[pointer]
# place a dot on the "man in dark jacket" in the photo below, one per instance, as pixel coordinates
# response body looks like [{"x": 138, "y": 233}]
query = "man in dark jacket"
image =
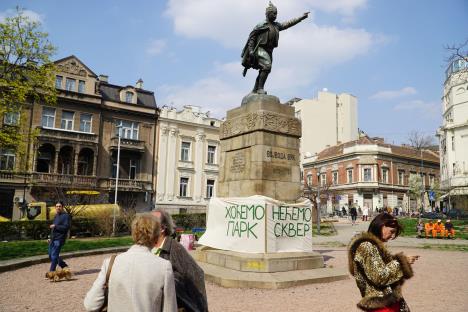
[
  {"x": 188, "y": 276},
  {"x": 58, "y": 233},
  {"x": 258, "y": 51}
]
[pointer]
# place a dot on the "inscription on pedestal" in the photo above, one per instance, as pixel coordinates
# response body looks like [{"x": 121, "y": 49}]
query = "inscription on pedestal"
[
  {"x": 280, "y": 155},
  {"x": 238, "y": 163}
]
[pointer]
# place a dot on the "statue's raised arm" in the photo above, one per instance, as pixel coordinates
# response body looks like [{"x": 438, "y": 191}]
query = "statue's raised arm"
[{"x": 258, "y": 51}]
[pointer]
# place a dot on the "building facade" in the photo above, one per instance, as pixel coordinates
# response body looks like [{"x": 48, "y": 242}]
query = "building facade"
[
  {"x": 369, "y": 172},
  {"x": 77, "y": 140},
  {"x": 188, "y": 159},
  {"x": 453, "y": 136},
  {"x": 327, "y": 120}
]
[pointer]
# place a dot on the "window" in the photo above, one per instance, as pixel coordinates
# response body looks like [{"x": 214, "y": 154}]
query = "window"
[
  {"x": 85, "y": 122},
  {"x": 67, "y": 120},
  {"x": 335, "y": 177},
  {"x": 209, "y": 188},
  {"x": 70, "y": 84},
  {"x": 114, "y": 168},
  {"x": 309, "y": 180},
  {"x": 183, "y": 186},
  {"x": 185, "y": 151},
  {"x": 431, "y": 180},
  {"x": 58, "y": 82},
  {"x": 350, "y": 175},
  {"x": 128, "y": 129},
  {"x": 384, "y": 175},
  {"x": 11, "y": 118},
  {"x": 454, "y": 168},
  {"x": 133, "y": 169},
  {"x": 7, "y": 159},
  {"x": 211, "y": 154},
  {"x": 48, "y": 117},
  {"x": 401, "y": 177},
  {"x": 423, "y": 179},
  {"x": 129, "y": 97},
  {"x": 81, "y": 86},
  {"x": 367, "y": 174},
  {"x": 323, "y": 179},
  {"x": 453, "y": 142}
]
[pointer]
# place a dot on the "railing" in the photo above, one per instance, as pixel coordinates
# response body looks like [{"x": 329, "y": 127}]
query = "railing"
[
  {"x": 63, "y": 179},
  {"x": 12, "y": 177},
  {"x": 128, "y": 143},
  {"x": 68, "y": 135},
  {"x": 128, "y": 184}
]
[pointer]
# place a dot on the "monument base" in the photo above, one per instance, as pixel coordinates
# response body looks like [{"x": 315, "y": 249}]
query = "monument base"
[{"x": 266, "y": 271}]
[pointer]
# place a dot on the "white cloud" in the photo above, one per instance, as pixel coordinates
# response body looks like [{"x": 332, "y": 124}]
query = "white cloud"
[
  {"x": 304, "y": 50},
  {"x": 155, "y": 46},
  {"x": 420, "y": 108},
  {"x": 393, "y": 94},
  {"x": 33, "y": 16}
]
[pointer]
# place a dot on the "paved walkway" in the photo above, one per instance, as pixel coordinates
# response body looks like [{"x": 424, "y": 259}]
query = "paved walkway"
[{"x": 346, "y": 231}]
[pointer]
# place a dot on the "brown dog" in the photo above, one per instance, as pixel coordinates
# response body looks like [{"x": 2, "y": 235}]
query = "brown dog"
[{"x": 55, "y": 276}]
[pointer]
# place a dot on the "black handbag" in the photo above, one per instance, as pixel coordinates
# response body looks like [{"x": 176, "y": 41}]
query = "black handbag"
[{"x": 106, "y": 285}]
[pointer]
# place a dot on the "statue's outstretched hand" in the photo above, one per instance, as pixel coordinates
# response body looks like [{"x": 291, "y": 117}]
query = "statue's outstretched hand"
[{"x": 306, "y": 15}]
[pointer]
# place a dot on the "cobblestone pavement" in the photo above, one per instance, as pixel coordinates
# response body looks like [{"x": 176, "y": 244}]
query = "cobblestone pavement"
[{"x": 439, "y": 285}]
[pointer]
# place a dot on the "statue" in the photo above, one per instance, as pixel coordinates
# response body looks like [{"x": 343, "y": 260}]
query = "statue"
[{"x": 258, "y": 51}]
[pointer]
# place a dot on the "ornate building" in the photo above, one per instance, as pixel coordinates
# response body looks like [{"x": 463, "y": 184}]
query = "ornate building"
[
  {"x": 453, "y": 136},
  {"x": 369, "y": 172},
  {"x": 188, "y": 159},
  {"x": 77, "y": 140}
]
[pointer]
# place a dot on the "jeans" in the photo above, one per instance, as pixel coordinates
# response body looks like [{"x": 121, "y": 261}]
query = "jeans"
[{"x": 54, "y": 255}]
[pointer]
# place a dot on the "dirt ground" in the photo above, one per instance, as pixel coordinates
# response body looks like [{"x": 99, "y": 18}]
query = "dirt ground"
[{"x": 439, "y": 284}]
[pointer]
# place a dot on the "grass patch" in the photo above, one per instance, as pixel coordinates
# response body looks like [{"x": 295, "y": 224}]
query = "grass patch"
[
  {"x": 447, "y": 247},
  {"x": 326, "y": 229},
  {"x": 22, "y": 249},
  {"x": 409, "y": 227}
]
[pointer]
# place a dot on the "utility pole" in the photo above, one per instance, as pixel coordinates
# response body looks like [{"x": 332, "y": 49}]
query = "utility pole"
[
  {"x": 119, "y": 127},
  {"x": 318, "y": 202}
]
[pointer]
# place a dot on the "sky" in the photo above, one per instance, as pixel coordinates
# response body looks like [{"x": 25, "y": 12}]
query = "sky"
[{"x": 391, "y": 55}]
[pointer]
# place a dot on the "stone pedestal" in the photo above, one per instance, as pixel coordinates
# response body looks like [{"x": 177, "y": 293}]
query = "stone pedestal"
[{"x": 260, "y": 150}]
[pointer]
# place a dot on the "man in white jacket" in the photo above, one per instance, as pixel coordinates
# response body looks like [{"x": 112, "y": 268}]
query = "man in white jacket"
[{"x": 139, "y": 281}]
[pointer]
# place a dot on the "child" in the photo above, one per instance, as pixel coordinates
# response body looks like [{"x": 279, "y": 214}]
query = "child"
[{"x": 420, "y": 228}]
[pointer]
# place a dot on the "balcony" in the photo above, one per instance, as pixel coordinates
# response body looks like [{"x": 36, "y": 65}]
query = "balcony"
[
  {"x": 47, "y": 179},
  {"x": 61, "y": 134},
  {"x": 129, "y": 185},
  {"x": 12, "y": 177},
  {"x": 128, "y": 144}
]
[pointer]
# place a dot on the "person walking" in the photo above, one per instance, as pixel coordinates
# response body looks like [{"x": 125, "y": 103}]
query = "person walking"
[
  {"x": 379, "y": 275},
  {"x": 58, "y": 235},
  {"x": 353, "y": 214},
  {"x": 188, "y": 276},
  {"x": 365, "y": 213},
  {"x": 139, "y": 281}
]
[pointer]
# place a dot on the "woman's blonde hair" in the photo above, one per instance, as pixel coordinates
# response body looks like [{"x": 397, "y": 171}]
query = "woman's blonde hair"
[{"x": 145, "y": 230}]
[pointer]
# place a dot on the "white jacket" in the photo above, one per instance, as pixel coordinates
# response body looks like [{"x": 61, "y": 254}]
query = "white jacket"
[{"x": 139, "y": 282}]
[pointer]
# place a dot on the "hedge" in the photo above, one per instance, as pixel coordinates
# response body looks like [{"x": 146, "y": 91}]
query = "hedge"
[{"x": 189, "y": 221}]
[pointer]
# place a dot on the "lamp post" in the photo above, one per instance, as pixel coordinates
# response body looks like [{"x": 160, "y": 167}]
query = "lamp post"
[
  {"x": 318, "y": 201},
  {"x": 119, "y": 127}
]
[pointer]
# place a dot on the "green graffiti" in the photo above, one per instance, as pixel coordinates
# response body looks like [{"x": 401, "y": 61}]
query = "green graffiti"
[
  {"x": 291, "y": 229},
  {"x": 241, "y": 229},
  {"x": 287, "y": 213},
  {"x": 244, "y": 212}
]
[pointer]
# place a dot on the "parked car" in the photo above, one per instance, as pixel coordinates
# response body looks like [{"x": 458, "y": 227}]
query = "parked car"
[
  {"x": 457, "y": 214},
  {"x": 432, "y": 215}
]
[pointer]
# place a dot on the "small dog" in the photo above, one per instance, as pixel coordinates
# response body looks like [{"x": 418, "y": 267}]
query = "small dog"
[{"x": 56, "y": 276}]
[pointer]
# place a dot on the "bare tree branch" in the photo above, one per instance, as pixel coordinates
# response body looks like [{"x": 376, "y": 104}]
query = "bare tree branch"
[{"x": 419, "y": 140}]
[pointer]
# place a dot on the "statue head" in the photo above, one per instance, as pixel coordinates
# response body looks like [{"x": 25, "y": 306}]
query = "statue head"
[{"x": 271, "y": 12}]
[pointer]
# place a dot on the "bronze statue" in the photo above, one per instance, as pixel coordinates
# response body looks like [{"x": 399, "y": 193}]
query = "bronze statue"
[{"x": 258, "y": 51}]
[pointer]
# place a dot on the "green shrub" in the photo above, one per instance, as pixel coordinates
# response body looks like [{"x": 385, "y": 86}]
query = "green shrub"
[{"x": 190, "y": 220}]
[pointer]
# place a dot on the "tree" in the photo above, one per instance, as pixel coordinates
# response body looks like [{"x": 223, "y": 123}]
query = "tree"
[
  {"x": 419, "y": 140},
  {"x": 27, "y": 74},
  {"x": 416, "y": 187},
  {"x": 457, "y": 51}
]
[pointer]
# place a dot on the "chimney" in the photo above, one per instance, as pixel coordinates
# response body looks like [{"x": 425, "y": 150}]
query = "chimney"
[
  {"x": 139, "y": 84},
  {"x": 103, "y": 78}
]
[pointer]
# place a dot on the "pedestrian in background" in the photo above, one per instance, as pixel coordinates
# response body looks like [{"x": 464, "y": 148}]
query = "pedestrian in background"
[
  {"x": 139, "y": 281},
  {"x": 353, "y": 214},
  {"x": 58, "y": 235},
  {"x": 365, "y": 213},
  {"x": 379, "y": 275}
]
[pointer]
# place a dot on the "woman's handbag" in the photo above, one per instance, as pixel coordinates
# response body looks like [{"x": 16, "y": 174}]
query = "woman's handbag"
[{"x": 106, "y": 285}]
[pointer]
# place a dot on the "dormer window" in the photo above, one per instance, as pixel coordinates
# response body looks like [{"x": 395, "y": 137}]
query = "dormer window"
[{"x": 129, "y": 97}]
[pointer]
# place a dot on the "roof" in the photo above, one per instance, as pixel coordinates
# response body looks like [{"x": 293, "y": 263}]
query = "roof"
[
  {"x": 74, "y": 57},
  {"x": 400, "y": 150},
  {"x": 112, "y": 93}
]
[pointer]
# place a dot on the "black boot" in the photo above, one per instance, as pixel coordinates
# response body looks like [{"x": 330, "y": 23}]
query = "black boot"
[{"x": 256, "y": 84}]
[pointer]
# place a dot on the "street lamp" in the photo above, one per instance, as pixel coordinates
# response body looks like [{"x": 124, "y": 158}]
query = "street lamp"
[
  {"x": 318, "y": 201},
  {"x": 119, "y": 127}
]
